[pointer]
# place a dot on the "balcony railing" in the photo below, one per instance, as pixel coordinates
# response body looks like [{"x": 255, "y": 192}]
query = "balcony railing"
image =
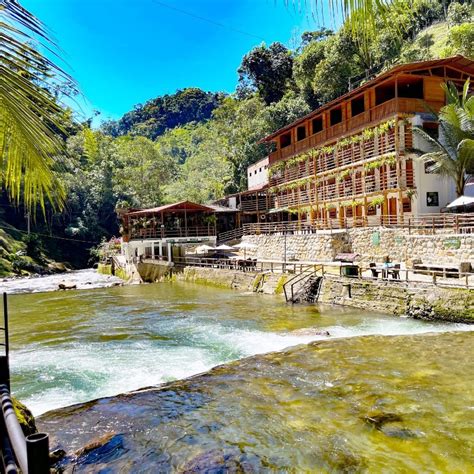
[
  {"x": 346, "y": 190},
  {"x": 344, "y": 156},
  {"x": 158, "y": 233},
  {"x": 423, "y": 224},
  {"x": 355, "y": 124}
]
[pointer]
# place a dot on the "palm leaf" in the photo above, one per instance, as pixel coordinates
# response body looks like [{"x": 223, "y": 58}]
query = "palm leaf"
[{"x": 30, "y": 123}]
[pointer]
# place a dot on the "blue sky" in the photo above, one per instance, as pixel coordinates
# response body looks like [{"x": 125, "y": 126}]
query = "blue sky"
[{"x": 124, "y": 52}]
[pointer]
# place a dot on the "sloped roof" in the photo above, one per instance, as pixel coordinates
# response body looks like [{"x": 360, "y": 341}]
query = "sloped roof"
[
  {"x": 181, "y": 206},
  {"x": 458, "y": 61}
]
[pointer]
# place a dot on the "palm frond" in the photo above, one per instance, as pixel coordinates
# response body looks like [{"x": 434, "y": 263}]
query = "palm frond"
[{"x": 30, "y": 118}]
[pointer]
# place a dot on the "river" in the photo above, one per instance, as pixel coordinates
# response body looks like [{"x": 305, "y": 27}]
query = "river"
[{"x": 311, "y": 407}]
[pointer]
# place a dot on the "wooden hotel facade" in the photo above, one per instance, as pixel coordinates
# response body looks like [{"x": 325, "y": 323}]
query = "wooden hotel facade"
[{"x": 353, "y": 159}]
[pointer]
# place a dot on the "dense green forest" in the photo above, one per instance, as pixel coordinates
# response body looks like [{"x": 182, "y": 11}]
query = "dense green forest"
[{"x": 197, "y": 145}]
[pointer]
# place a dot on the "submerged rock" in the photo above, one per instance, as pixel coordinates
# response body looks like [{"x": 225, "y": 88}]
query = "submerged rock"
[
  {"x": 377, "y": 420},
  {"x": 219, "y": 461},
  {"x": 101, "y": 450},
  {"x": 67, "y": 286}
]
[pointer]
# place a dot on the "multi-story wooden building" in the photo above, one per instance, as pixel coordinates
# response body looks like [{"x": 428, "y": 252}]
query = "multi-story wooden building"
[{"x": 354, "y": 160}]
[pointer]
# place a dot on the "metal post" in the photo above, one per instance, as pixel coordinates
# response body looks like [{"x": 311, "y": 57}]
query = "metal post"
[
  {"x": 37, "y": 450},
  {"x": 7, "y": 342}
]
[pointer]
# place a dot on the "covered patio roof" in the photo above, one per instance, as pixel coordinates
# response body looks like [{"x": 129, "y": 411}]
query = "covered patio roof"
[{"x": 182, "y": 206}]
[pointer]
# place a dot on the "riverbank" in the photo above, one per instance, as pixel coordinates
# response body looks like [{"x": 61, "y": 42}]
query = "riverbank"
[{"x": 79, "y": 279}]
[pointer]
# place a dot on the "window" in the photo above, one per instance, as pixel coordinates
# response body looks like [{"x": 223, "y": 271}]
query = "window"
[
  {"x": 384, "y": 93},
  {"x": 285, "y": 140},
  {"x": 301, "y": 133},
  {"x": 430, "y": 167},
  {"x": 431, "y": 128},
  {"x": 412, "y": 88},
  {"x": 432, "y": 199},
  {"x": 317, "y": 124},
  {"x": 336, "y": 116},
  {"x": 357, "y": 105}
]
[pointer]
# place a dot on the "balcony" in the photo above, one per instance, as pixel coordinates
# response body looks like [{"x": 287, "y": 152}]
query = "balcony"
[
  {"x": 342, "y": 157},
  {"x": 346, "y": 190},
  {"x": 354, "y": 125},
  {"x": 174, "y": 232}
]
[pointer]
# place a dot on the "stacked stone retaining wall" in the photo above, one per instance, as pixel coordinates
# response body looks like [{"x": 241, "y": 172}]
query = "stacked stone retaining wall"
[
  {"x": 306, "y": 247},
  {"x": 372, "y": 244},
  {"x": 419, "y": 300}
]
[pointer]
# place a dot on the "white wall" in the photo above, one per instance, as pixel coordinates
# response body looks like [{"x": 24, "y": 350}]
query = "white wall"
[
  {"x": 257, "y": 174},
  {"x": 429, "y": 182}
]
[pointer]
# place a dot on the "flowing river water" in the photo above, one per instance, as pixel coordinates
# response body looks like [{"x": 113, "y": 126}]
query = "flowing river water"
[{"x": 379, "y": 394}]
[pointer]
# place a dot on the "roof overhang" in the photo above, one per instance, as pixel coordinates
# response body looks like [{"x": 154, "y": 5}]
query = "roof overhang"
[
  {"x": 178, "y": 207},
  {"x": 458, "y": 61}
]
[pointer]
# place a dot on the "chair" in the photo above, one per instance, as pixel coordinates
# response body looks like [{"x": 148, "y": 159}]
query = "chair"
[
  {"x": 375, "y": 273},
  {"x": 396, "y": 272}
]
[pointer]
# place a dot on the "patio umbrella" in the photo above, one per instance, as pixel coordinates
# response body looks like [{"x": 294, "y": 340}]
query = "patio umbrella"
[
  {"x": 224, "y": 247},
  {"x": 461, "y": 201},
  {"x": 244, "y": 246}
]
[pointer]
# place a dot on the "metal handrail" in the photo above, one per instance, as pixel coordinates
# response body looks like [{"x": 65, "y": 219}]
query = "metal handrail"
[{"x": 31, "y": 453}]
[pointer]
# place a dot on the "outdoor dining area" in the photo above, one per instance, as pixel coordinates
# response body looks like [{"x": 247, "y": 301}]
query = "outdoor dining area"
[{"x": 223, "y": 256}]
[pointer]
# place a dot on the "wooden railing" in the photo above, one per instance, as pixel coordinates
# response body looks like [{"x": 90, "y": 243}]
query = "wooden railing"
[
  {"x": 356, "y": 124},
  {"x": 159, "y": 233},
  {"x": 229, "y": 235},
  {"x": 424, "y": 224},
  {"x": 347, "y": 189},
  {"x": 344, "y": 156}
]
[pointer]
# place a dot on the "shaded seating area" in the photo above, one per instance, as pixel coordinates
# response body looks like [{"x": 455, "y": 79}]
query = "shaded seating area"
[{"x": 180, "y": 219}]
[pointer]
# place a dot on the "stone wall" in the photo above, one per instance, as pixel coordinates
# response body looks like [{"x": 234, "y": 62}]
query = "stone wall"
[
  {"x": 372, "y": 244},
  {"x": 375, "y": 243},
  {"x": 419, "y": 300},
  {"x": 243, "y": 281},
  {"x": 323, "y": 246}
]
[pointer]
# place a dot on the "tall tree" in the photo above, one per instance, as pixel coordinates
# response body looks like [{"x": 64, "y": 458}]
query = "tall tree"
[{"x": 268, "y": 70}]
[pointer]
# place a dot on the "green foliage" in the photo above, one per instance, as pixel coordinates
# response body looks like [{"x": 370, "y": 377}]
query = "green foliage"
[
  {"x": 453, "y": 152},
  {"x": 459, "y": 13},
  {"x": 461, "y": 40},
  {"x": 166, "y": 112},
  {"x": 30, "y": 117},
  {"x": 267, "y": 70}
]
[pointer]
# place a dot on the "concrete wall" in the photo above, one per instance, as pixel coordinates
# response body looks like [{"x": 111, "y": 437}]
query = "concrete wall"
[
  {"x": 313, "y": 247},
  {"x": 153, "y": 270},
  {"x": 419, "y": 300}
]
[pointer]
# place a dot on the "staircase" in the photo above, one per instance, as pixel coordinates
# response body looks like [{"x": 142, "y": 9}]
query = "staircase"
[{"x": 304, "y": 287}]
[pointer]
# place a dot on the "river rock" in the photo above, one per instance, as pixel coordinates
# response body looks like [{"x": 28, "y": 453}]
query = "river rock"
[
  {"x": 379, "y": 419},
  {"x": 217, "y": 461},
  {"x": 67, "y": 286},
  {"x": 25, "y": 417},
  {"x": 101, "y": 450}
]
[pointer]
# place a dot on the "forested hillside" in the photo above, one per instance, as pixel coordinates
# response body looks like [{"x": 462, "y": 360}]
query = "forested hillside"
[{"x": 197, "y": 145}]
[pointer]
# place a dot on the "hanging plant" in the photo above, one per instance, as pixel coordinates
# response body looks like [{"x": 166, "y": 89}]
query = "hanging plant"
[
  {"x": 378, "y": 201},
  {"x": 412, "y": 192}
]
